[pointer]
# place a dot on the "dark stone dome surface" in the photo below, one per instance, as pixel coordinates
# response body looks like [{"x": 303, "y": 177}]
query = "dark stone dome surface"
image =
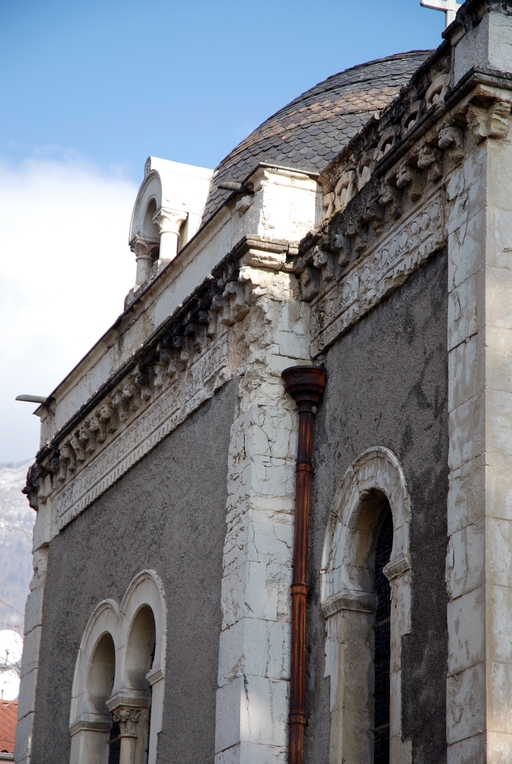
[{"x": 312, "y": 129}]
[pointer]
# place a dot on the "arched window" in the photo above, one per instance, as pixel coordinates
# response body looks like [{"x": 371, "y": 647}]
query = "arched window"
[
  {"x": 118, "y": 688},
  {"x": 366, "y": 601},
  {"x": 90, "y": 720}
]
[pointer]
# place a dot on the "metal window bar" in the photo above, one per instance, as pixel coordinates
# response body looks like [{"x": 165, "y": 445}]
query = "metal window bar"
[{"x": 382, "y": 650}]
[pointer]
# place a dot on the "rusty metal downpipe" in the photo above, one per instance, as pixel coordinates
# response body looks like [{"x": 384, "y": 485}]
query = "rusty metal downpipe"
[{"x": 305, "y": 384}]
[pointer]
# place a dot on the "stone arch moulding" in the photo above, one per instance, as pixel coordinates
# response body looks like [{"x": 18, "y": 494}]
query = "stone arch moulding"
[
  {"x": 149, "y": 196},
  {"x": 348, "y": 603},
  {"x": 89, "y": 724},
  {"x": 127, "y": 700}
]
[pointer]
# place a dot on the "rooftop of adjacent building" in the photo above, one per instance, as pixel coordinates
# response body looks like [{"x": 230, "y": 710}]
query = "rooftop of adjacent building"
[
  {"x": 8, "y": 717},
  {"x": 310, "y": 131}
]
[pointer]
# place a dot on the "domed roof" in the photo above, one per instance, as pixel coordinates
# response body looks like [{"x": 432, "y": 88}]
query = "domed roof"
[{"x": 309, "y": 132}]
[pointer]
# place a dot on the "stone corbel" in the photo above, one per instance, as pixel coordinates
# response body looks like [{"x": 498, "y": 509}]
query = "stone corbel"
[
  {"x": 357, "y": 232},
  {"x": 234, "y": 303},
  {"x": 342, "y": 247},
  {"x": 391, "y": 198},
  {"x": 489, "y": 123},
  {"x": 321, "y": 260},
  {"x": 347, "y": 599},
  {"x": 410, "y": 180},
  {"x": 397, "y": 567},
  {"x": 169, "y": 223},
  {"x": 429, "y": 158},
  {"x": 309, "y": 283},
  {"x": 375, "y": 215},
  {"x": 487, "y": 112},
  {"x": 451, "y": 138}
]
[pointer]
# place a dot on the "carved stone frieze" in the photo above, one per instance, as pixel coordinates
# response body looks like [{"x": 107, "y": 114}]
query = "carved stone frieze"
[
  {"x": 383, "y": 268},
  {"x": 172, "y": 377},
  {"x": 478, "y": 105}
]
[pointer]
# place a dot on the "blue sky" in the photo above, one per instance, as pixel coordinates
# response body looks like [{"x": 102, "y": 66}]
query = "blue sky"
[
  {"x": 89, "y": 89},
  {"x": 115, "y": 81}
]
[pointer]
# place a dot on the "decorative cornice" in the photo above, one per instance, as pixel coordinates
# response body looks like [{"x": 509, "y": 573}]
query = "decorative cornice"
[
  {"x": 343, "y": 301},
  {"x": 390, "y": 214},
  {"x": 176, "y": 370}
]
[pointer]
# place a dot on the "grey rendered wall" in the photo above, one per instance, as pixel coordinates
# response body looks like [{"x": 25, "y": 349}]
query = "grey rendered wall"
[
  {"x": 166, "y": 513},
  {"x": 387, "y": 385}
]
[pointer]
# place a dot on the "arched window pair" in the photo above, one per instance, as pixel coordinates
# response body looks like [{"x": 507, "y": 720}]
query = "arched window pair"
[
  {"x": 118, "y": 686},
  {"x": 366, "y": 598}
]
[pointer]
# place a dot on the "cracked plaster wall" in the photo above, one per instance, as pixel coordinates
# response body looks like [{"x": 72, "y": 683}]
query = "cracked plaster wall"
[
  {"x": 167, "y": 513},
  {"x": 387, "y": 386}
]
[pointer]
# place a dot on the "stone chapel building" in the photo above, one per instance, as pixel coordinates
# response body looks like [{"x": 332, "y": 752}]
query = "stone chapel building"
[{"x": 360, "y": 241}]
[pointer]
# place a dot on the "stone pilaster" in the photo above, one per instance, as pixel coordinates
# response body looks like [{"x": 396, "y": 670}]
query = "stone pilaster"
[
  {"x": 478, "y": 570},
  {"x": 33, "y": 627},
  {"x": 252, "y": 699}
]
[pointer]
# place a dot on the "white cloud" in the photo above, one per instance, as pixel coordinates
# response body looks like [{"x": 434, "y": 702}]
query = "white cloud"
[{"x": 65, "y": 269}]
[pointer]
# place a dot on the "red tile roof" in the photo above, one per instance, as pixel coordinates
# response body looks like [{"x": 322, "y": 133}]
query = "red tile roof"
[{"x": 8, "y": 716}]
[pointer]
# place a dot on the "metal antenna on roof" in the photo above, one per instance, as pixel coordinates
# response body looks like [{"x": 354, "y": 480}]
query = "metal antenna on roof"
[{"x": 450, "y": 7}]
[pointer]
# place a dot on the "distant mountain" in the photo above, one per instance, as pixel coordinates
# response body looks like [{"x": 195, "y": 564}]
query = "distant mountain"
[{"x": 16, "y": 524}]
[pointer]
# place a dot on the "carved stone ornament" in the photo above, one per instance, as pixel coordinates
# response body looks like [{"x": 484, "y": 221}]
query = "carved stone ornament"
[
  {"x": 385, "y": 266},
  {"x": 128, "y": 719},
  {"x": 169, "y": 221},
  {"x": 188, "y": 363}
]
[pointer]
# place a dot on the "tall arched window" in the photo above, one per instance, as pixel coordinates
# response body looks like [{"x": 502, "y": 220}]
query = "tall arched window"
[{"x": 366, "y": 601}]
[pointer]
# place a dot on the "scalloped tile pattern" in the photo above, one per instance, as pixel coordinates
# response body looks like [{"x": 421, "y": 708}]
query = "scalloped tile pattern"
[{"x": 312, "y": 129}]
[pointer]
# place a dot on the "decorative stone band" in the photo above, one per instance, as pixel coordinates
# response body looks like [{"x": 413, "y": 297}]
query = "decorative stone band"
[
  {"x": 393, "y": 194},
  {"x": 186, "y": 352},
  {"x": 171, "y": 376},
  {"x": 154, "y": 422},
  {"x": 379, "y": 273},
  {"x": 427, "y": 100}
]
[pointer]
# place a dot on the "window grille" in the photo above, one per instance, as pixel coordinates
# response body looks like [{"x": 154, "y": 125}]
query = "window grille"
[{"x": 381, "y": 695}]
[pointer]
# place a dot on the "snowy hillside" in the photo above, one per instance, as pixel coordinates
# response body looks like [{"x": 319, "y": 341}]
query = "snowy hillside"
[{"x": 16, "y": 523}]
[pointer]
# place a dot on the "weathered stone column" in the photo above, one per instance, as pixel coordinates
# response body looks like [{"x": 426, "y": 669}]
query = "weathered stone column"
[
  {"x": 128, "y": 719},
  {"x": 143, "y": 258},
  {"x": 169, "y": 222}
]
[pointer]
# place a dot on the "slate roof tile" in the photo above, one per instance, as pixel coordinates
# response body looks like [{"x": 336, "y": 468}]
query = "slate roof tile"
[{"x": 309, "y": 131}]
